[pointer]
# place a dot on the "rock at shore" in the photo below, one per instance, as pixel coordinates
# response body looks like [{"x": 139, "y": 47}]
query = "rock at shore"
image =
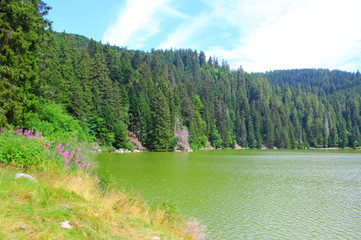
[
  {"x": 182, "y": 134},
  {"x": 19, "y": 175}
]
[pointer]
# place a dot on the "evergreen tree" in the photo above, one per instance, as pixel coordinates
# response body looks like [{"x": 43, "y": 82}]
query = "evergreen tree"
[
  {"x": 269, "y": 131},
  {"x": 241, "y": 132},
  {"x": 22, "y": 29},
  {"x": 63, "y": 85},
  {"x": 161, "y": 135},
  {"x": 202, "y": 59},
  {"x": 82, "y": 103},
  {"x": 216, "y": 138},
  {"x": 342, "y": 132}
]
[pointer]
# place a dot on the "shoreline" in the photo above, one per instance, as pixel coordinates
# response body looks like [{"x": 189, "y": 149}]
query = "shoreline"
[{"x": 240, "y": 148}]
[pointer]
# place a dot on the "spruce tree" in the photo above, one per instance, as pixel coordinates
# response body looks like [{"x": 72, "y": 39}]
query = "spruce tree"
[
  {"x": 22, "y": 29},
  {"x": 215, "y": 138},
  {"x": 82, "y": 103},
  {"x": 161, "y": 135}
]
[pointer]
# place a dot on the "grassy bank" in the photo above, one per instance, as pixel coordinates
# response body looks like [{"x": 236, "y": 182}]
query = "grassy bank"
[
  {"x": 36, "y": 210},
  {"x": 68, "y": 201}
]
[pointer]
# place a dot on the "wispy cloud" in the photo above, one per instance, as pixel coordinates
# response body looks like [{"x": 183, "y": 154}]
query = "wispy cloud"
[
  {"x": 174, "y": 13},
  {"x": 294, "y": 34},
  {"x": 136, "y": 23},
  {"x": 260, "y": 35},
  {"x": 181, "y": 37}
]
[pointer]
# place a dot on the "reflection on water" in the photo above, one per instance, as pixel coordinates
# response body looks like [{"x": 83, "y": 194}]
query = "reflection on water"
[{"x": 253, "y": 193}]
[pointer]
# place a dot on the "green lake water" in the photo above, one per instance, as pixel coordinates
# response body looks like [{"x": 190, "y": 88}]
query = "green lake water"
[{"x": 252, "y": 194}]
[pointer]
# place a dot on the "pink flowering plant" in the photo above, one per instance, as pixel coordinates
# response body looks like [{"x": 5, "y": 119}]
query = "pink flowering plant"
[
  {"x": 22, "y": 148},
  {"x": 27, "y": 148}
]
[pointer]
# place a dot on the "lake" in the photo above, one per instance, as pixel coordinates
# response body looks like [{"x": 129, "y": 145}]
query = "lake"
[{"x": 256, "y": 194}]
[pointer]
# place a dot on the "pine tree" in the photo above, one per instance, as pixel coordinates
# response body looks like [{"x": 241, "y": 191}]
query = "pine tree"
[
  {"x": 333, "y": 138},
  {"x": 216, "y": 138},
  {"x": 202, "y": 59},
  {"x": 82, "y": 103},
  {"x": 257, "y": 125},
  {"x": 161, "y": 136},
  {"x": 99, "y": 82},
  {"x": 63, "y": 85},
  {"x": 342, "y": 132},
  {"x": 241, "y": 132},
  {"x": 144, "y": 119},
  {"x": 92, "y": 48},
  {"x": 22, "y": 29},
  {"x": 48, "y": 67},
  {"x": 269, "y": 131}
]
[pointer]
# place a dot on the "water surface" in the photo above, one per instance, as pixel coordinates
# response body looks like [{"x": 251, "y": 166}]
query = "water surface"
[{"x": 255, "y": 194}]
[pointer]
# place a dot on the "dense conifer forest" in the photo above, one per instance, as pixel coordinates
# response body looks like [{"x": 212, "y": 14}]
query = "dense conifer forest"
[{"x": 68, "y": 84}]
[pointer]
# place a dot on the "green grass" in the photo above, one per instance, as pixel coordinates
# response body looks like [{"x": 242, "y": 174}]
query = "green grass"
[{"x": 35, "y": 210}]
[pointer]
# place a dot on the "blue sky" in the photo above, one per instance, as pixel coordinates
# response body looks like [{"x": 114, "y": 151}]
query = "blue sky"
[{"x": 259, "y": 35}]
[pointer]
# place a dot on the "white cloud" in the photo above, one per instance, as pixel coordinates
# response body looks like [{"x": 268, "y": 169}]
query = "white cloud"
[
  {"x": 135, "y": 24},
  {"x": 174, "y": 13},
  {"x": 179, "y": 38},
  {"x": 271, "y": 34},
  {"x": 283, "y": 34}
]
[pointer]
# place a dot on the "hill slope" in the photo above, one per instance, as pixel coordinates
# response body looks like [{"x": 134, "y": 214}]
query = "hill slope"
[{"x": 111, "y": 90}]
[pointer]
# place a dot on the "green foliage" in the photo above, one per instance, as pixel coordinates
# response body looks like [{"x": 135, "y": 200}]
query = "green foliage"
[
  {"x": 99, "y": 130},
  {"x": 161, "y": 135},
  {"x": 247, "y": 109},
  {"x": 216, "y": 138},
  {"x": 22, "y": 29},
  {"x": 198, "y": 104},
  {"x": 197, "y": 131},
  {"x": 23, "y": 151},
  {"x": 356, "y": 144},
  {"x": 121, "y": 138},
  {"x": 55, "y": 123}
]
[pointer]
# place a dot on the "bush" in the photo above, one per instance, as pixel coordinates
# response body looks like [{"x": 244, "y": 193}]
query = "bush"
[
  {"x": 23, "y": 149},
  {"x": 29, "y": 149},
  {"x": 55, "y": 123}
]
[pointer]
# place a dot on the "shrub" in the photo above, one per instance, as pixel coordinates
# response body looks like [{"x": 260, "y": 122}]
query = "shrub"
[
  {"x": 55, "y": 123},
  {"x": 23, "y": 149},
  {"x": 30, "y": 150}
]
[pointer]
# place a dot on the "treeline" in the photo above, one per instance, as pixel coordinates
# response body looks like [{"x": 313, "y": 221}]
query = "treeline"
[{"x": 111, "y": 90}]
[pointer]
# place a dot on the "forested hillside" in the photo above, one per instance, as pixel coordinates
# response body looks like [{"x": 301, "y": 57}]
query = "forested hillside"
[{"x": 111, "y": 90}]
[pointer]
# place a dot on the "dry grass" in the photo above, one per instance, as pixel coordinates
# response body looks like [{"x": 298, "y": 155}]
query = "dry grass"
[{"x": 195, "y": 230}]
